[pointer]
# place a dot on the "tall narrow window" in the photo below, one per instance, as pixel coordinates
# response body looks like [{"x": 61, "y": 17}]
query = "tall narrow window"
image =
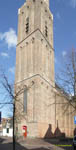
[
  {"x": 25, "y": 101},
  {"x": 46, "y": 29},
  {"x": 7, "y": 130},
  {"x": 27, "y": 25}
]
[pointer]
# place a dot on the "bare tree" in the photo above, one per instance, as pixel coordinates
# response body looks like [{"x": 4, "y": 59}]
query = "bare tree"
[
  {"x": 10, "y": 95},
  {"x": 66, "y": 78}
]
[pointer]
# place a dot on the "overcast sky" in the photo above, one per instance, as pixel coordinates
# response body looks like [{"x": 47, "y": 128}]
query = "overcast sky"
[{"x": 64, "y": 12}]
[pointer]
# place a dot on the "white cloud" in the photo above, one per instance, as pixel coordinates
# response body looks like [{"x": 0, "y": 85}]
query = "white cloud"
[
  {"x": 12, "y": 70},
  {"x": 58, "y": 15},
  {"x": 64, "y": 53},
  {"x": 5, "y": 54},
  {"x": 73, "y": 3},
  {"x": 9, "y": 37}
]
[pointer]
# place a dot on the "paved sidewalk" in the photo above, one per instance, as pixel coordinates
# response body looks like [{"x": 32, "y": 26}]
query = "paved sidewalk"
[
  {"x": 31, "y": 144},
  {"x": 38, "y": 144}
]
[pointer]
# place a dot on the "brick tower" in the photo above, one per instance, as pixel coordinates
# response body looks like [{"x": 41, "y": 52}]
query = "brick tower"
[{"x": 35, "y": 69}]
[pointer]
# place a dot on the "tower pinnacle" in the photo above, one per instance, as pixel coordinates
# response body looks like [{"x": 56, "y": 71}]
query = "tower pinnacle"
[{"x": 47, "y": 1}]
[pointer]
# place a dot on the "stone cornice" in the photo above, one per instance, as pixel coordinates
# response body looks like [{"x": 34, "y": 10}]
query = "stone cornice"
[{"x": 32, "y": 34}]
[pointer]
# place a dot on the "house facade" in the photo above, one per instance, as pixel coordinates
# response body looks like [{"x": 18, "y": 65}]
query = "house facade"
[{"x": 6, "y": 127}]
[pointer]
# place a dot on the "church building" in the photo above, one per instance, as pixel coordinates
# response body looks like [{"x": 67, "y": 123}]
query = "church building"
[{"x": 41, "y": 106}]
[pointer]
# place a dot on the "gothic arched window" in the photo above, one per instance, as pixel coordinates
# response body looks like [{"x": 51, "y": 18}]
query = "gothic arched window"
[{"x": 25, "y": 101}]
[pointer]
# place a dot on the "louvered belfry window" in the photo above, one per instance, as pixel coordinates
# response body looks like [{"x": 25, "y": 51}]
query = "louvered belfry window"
[
  {"x": 27, "y": 24},
  {"x": 46, "y": 29}
]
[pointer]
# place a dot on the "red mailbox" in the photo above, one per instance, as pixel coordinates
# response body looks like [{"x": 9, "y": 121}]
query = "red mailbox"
[{"x": 25, "y": 131}]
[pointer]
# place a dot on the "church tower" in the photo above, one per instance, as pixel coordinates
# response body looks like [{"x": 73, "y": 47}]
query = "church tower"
[{"x": 35, "y": 68}]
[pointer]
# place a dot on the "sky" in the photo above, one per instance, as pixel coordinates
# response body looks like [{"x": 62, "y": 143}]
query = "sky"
[{"x": 64, "y": 13}]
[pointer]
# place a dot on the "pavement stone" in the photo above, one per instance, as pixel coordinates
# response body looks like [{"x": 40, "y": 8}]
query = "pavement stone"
[
  {"x": 30, "y": 144},
  {"x": 37, "y": 144}
]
